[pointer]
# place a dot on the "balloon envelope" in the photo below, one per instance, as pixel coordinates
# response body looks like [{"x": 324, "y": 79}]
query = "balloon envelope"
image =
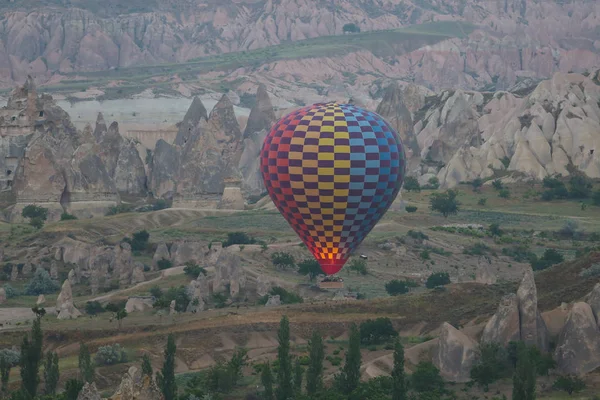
[{"x": 332, "y": 170}]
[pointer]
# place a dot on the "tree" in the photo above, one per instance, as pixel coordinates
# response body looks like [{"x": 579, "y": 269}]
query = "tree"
[
  {"x": 411, "y": 184},
  {"x": 93, "y": 308},
  {"x": 31, "y": 357},
  {"x": 147, "y": 366},
  {"x": 284, "y": 373},
  {"x": 497, "y": 184},
  {"x": 283, "y": 260},
  {"x": 376, "y": 331},
  {"x": 581, "y": 186},
  {"x": 298, "y": 372},
  {"x": 359, "y": 266},
  {"x": 41, "y": 283},
  {"x": 504, "y": 193},
  {"x": 51, "y": 373},
  {"x": 350, "y": 375},
  {"x": 548, "y": 259},
  {"x": 398, "y": 379},
  {"x": 437, "y": 279},
  {"x": 72, "y": 389},
  {"x": 477, "y": 183},
  {"x": 266, "y": 378},
  {"x": 310, "y": 267},
  {"x": 37, "y": 215},
  {"x": 492, "y": 362},
  {"x": 524, "y": 375},
  {"x": 120, "y": 316},
  {"x": 351, "y": 28},
  {"x": 596, "y": 198},
  {"x": 433, "y": 183},
  {"x": 139, "y": 240},
  {"x": 314, "y": 374},
  {"x": 445, "y": 203},
  {"x": 426, "y": 378},
  {"x": 495, "y": 230},
  {"x": 8, "y": 359},
  {"x": 86, "y": 367},
  {"x": 166, "y": 378},
  {"x": 569, "y": 384},
  {"x": 396, "y": 287}
]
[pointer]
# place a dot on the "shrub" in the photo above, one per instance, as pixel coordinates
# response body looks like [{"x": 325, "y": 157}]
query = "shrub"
[
  {"x": 570, "y": 229},
  {"x": 37, "y": 215},
  {"x": 334, "y": 360},
  {"x": 41, "y": 283},
  {"x": 283, "y": 260},
  {"x": 426, "y": 378},
  {"x": 396, "y": 287},
  {"x": 550, "y": 258},
  {"x": 495, "y": 230},
  {"x": 491, "y": 364},
  {"x": 12, "y": 357},
  {"x": 156, "y": 292},
  {"x": 116, "y": 306},
  {"x": 193, "y": 270},
  {"x": 285, "y": 296},
  {"x": 110, "y": 355},
  {"x": 411, "y": 209},
  {"x": 310, "y": 267},
  {"x": 67, "y": 217},
  {"x": 504, "y": 193},
  {"x": 163, "y": 263},
  {"x": 238, "y": 238},
  {"x": 377, "y": 331},
  {"x": 478, "y": 249},
  {"x": 411, "y": 184},
  {"x": 120, "y": 209},
  {"x": 10, "y": 291},
  {"x": 580, "y": 186},
  {"x": 437, "y": 279},
  {"x": 351, "y": 28},
  {"x": 433, "y": 183},
  {"x": 590, "y": 272},
  {"x": 359, "y": 266},
  {"x": 482, "y": 201},
  {"x": 518, "y": 253},
  {"x": 93, "y": 308},
  {"x": 139, "y": 241},
  {"x": 596, "y": 198},
  {"x": 445, "y": 203},
  {"x": 569, "y": 384},
  {"x": 497, "y": 184},
  {"x": 425, "y": 255},
  {"x": 477, "y": 183},
  {"x": 418, "y": 235}
]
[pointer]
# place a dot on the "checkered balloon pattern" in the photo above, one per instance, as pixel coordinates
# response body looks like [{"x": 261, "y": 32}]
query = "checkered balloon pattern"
[{"x": 332, "y": 170}]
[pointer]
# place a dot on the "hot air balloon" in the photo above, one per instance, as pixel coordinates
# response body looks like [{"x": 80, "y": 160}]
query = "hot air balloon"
[{"x": 332, "y": 170}]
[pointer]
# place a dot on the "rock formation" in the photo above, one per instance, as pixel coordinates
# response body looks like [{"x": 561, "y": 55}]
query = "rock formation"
[
  {"x": 2, "y": 295},
  {"x": 484, "y": 273},
  {"x": 139, "y": 303},
  {"x": 89, "y": 392},
  {"x": 134, "y": 386},
  {"x": 273, "y": 301},
  {"x": 578, "y": 348},
  {"x": 14, "y": 273},
  {"x": 186, "y": 251},
  {"x": 263, "y": 285},
  {"x": 593, "y": 299},
  {"x": 518, "y": 318},
  {"x": 229, "y": 272},
  {"x": 261, "y": 119},
  {"x": 198, "y": 291},
  {"x": 72, "y": 277},
  {"x": 64, "y": 303},
  {"x": 455, "y": 354},
  {"x": 162, "y": 252},
  {"x": 40, "y": 300},
  {"x": 172, "y": 310}
]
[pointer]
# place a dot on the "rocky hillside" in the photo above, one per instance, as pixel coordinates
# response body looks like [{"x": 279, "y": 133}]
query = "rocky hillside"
[{"x": 510, "y": 39}]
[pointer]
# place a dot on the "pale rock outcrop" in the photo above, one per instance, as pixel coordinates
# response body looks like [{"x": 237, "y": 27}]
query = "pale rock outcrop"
[
  {"x": 578, "y": 348},
  {"x": 2, "y": 295},
  {"x": 593, "y": 299},
  {"x": 273, "y": 301},
  {"x": 485, "y": 273},
  {"x": 216, "y": 248},
  {"x": 455, "y": 354},
  {"x": 162, "y": 252},
  {"x": 518, "y": 318},
  {"x": 137, "y": 275},
  {"x": 172, "y": 310},
  {"x": 139, "y": 303},
  {"x": 40, "y": 300},
  {"x": 14, "y": 273},
  {"x": 184, "y": 251},
  {"x": 263, "y": 285},
  {"x": 64, "y": 303},
  {"x": 89, "y": 392},
  {"x": 72, "y": 277},
  {"x": 198, "y": 291},
  {"x": 228, "y": 271}
]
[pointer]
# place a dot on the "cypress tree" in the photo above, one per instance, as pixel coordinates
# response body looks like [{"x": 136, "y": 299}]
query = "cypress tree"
[
  {"x": 285, "y": 389},
  {"x": 524, "y": 376},
  {"x": 350, "y": 376},
  {"x": 51, "y": 373},
  {"x": 31, "y": 357},
  {"x": 86, "y": 366},
  {"x": 5, "y": 368},
  {"x": 298, "y": 371},
  {"x": 266, "y": 378},
  {"x": 147, "y": 366},
  {"x": 398, "y": 378},
  {"x": 314, "y": 374},
  {"x": 166, "y": 378}
]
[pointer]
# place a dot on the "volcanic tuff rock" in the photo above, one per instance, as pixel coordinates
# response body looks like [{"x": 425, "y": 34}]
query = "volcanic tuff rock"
[
  {"x": 593, "y": 299},
  {"x": 261, "y": 119},
  {"x": 184, "y": 251},
  {"x": 89, "y": 392},
  {"x": 138, "y": 303},
  {"x": 2, "y": 295},
  {"x": 514, "y": 38},
  {"x": 135, "y": 386},
  {"x": 228, "y": 271},
  {"x": 518, "y": 318},
  {"x": 64, "y": 303},
  {"x": 455, "y": 354},
  {"x": 162, "y": 252},
  {"x": 578, "y": 348}
]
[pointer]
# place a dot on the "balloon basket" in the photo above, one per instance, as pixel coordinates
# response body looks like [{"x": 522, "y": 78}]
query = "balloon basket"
[{"x": 335, "y": 283}]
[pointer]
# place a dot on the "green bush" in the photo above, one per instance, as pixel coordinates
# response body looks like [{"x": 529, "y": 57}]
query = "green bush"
[
  {"x": 283, "y": 260},
  {"x": 437, "y": 279},
  {"x": 67, "y": 217},
  {"x": 482, "y": 201},
  {"x": 497, "y": 184},
  {"x": 12, "y": 357},
  {"x": 491, "y": 365},
  {"x": 411, "y": 184},
  {"x": 550, "y": 258},
  {"x": 238, "y": 238},
  {"x": 426, "y": 378},
  {"x": 478, "y": 249},
  {"x": 334, "y": 360},
  {"x": 163, "y": 263},
  {"x": 110, "y": 355},
  {"x": 10, "y": 291},
  {"x": 445, "y": 203},
  {"x": 120, "y": 209},
  {"x": 410, "y": 209},
  {"x": 569, "y": 384},
  {"x": 285, "y": 296},
  {"x": 396, "y": 287},
  {"x": 139, "y": 240},
  {"x": 417, "y": 235},
  {"x": 310, "y": 267},
  {"x": 93, "y": 308},
  {"x": 377, "y": 331},
  {"x": 41, "y": 283},
  {"x": 425, "y": 255},
  {"x": 37, "y": 215},
  {"x": 359, "y": 266},
  {"x": 193, "y": 270},
  {"x": 504, "y": 193}
]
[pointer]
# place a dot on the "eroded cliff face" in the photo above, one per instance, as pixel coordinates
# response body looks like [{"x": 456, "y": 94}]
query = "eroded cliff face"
[{"x": 513, "y": 38}]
